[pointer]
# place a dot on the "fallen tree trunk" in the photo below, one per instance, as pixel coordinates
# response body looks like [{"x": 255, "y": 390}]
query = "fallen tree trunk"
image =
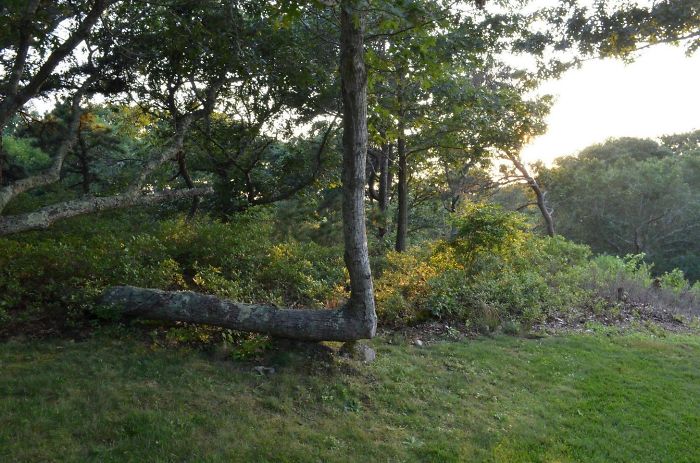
[{"x": 188, "y": 306}]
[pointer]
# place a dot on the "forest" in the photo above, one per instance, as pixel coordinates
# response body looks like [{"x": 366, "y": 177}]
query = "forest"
[{"x": 237, "y": 230}]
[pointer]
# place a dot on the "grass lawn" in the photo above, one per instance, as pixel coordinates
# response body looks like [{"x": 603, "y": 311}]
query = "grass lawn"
[{"x": 633, "y": 398}]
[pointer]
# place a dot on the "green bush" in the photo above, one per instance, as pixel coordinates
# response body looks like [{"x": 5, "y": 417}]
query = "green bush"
[
  {"x": 492, "y": 271},
  {"x": 494, "y": 263},
  {"x": 491, "y": 262},
  {"x": 674, "y": 281},
  {"x": 60, "y": 275}
]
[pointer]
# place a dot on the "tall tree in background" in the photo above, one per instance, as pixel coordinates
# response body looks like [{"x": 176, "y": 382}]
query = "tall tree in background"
[{"x": 433, "y": 68}]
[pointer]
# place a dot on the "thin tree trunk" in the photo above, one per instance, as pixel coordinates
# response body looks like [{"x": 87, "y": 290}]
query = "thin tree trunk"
[
  {"x": 402, "y": 218},
  {"x": 402, "y": 213},
  {"x": 83, "y": 159},
  {"x": 541, "y": 204},
  {"x": 357, "y": 319},
  {"x": 185, "y": 174},
  {"x": 3, "y": 160},
  {"x": 384, "y": 187},
  {"x": 539, "y": 194}
]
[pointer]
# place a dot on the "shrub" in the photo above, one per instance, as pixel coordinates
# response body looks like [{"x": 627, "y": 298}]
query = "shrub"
[
  {"x": 674, "y": 281},
  {"x": 471, "y": 273},
  {"x": 516, "y": 274},
  {"x": 403, "y": 289},
  {"x": 492, "y": 271},
  {"x": 60, "y": 275}
]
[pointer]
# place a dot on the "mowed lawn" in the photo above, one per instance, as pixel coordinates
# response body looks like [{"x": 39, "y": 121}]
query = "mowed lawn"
[{"x": 596, "y": 398}]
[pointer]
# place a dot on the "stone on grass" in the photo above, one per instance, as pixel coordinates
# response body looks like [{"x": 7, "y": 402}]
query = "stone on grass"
[
  {"x": 358, "y": 351},
  {"x": 262, "y": 370}
]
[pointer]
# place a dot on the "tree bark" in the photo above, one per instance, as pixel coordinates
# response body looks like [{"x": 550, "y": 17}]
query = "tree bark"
[
  {"x": 402, "y": 215},
  {"x": 185, "y": 174},
  {"x": 357, "y": 319},
  {"x": 187, "y": 306},
  {"x": 384, "y": 187},
  {"x": 84, "y": 162},
  {"x": 353, "y": 76}
]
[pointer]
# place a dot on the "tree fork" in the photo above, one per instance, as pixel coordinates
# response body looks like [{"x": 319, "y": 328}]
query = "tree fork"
[
  {"x": 539, "y": 194},
  {"x": 357, "y": 319}
]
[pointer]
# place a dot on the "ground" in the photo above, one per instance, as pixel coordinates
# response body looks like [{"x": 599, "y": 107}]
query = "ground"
[{"x": 594, "y": 397}]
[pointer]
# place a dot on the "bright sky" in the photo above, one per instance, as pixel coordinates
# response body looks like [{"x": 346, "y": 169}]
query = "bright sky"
[{"x": 656, "y": 95}]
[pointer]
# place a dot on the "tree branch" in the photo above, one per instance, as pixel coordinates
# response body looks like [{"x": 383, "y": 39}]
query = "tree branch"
[
  {"x": 45, "y": 217},
  {"x": 53, "y": 173}
]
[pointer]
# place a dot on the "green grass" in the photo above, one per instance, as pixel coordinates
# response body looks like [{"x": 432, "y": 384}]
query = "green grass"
[{"x": 598, "y": 398}]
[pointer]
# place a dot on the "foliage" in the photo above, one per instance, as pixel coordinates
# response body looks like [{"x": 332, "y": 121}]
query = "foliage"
[
  {"x": 491, "y": 269},
  {"x": 484, "y": 229},
  {"x": 62, "y": 275},
  {"x": 608, "y": 275},
  {"x": 494, "y": 271},
  {"x": 631, "y": 196},
  {"x": 24, "y": 154}
]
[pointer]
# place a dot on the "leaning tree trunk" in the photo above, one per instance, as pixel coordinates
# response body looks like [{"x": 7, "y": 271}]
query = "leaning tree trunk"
[
  {"x": 539, "y": 195},
  {"x": 43, "y": 218},
  {"x": 357, "y": 319}
]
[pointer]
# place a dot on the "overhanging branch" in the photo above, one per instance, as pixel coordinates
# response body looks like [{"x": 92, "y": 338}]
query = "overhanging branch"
[{"x": 45, "y": 217}]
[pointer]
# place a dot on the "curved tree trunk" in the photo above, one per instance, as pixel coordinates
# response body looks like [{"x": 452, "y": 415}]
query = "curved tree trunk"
[
  {"x": 539, "y": 194},
  {"x": 357, "y": 319}
]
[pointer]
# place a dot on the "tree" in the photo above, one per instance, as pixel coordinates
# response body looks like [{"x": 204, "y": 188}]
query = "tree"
[
  {"x": 88, "y": 72},
  {"x": 194, "y": 67},
  {"x": 619, "y": 29},
  {"x": 357, "y": 319},
  {"x": 522, "y": 173}
]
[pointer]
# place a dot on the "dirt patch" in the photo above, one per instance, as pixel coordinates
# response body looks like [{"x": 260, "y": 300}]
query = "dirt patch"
[{"x": 628, "y": 315}]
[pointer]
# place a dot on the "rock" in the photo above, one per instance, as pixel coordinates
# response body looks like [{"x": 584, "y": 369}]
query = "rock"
[
  {"x": 262, "y": 370},
  {"x": 358, "y": 351},
  {"x": 418, "y": 343}
]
